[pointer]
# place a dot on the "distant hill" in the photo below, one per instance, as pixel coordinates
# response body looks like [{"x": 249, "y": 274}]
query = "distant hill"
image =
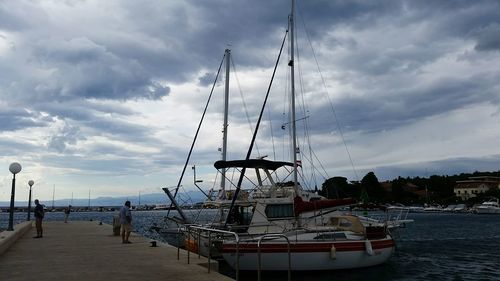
[{"x": 146, "y": 199}]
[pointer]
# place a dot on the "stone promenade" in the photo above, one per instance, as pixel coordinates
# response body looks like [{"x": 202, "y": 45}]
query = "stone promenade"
[{"x": 88, "y": 251}]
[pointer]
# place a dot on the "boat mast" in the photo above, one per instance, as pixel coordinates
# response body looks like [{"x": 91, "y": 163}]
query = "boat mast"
[
  {"x": 295, "y": 149},
  {"x": 222, "y": 194},
  {"x": 53, "y": 195},
  {"x": 172, "y": 197}
]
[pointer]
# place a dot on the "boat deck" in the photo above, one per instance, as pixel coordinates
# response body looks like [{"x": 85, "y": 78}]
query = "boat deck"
[{"x": 89, "y": 251}]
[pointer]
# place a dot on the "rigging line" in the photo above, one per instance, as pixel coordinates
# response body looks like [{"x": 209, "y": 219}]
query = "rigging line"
[
  {"x": 311, "y": 160},
  {"x": 243, "y": 100},
  {"x": 212, "y": 189},
  {"x": 272, "y": 133},
  {"x": 307, "y": 135},
  {"x": 242, "y": 175},
  {"x": 304, "y": 111},
  {"x": 321, "y": 165},
  {"x": 231, "y": 182},
  {"x": 330, "y": 100},
  {"x": 196, "y": 135}
]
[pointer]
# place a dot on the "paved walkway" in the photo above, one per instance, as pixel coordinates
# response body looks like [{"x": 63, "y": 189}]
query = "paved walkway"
[{"x": 88, "y": 251}]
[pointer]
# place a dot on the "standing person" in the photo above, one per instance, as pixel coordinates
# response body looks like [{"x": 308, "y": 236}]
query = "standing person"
[
  {"x": 39, "y": 217},
  {"x": 66, "y": 213},
  {"x": 126, "y": 222}
]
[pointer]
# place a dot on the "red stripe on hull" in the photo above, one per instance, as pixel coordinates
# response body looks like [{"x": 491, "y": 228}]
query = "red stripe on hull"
[{"x": 307, "y": 247}]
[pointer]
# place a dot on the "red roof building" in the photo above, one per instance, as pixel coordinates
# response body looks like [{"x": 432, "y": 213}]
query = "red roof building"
[{"x": 475, "y": 185}]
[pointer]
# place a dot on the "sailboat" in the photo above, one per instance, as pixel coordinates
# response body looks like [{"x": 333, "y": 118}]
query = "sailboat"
[
  {"x": 293, "y": 229},
  {"x": 275, "y": 224}
]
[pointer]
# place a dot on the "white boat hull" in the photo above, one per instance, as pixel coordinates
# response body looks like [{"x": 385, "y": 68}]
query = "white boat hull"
[
  {"x": 311, "y": 256},
  {"x": 488, "y": 210},
  {"x": 489, "y": 207}
]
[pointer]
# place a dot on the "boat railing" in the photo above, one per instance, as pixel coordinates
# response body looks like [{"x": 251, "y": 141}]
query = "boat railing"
[
  {"x": 272, "y": 236},
  {"x": 402, "y": 215},
  {"x": 395, "y": 217},
  {"x": 200, "y": 229}
]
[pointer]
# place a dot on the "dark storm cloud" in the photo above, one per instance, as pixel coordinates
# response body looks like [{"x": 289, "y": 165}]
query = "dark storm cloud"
[
  {"x": 488, "y": 39},
  {"x": 12, "y": 119},
  {"x": 378, "y": 112},
  {"x": 67, "y": 135},
  {"x": 122, "y": 130},
  {"x": 88, "y": 117},
  {"x": 323, "y": 15},
  {"x": 84, "y": 110},
  {"x": 14, "y": 17},
  {"x": 77, "y": 66},
  {"x": 390, "y": 87},
  {"x": 111, "y": 159},
  {"x": 84, "y": 69},
  {"x": 16, "y": 147},
  {"x": 206, "y": 80},
  {"x": 173, "y": 41},
  {"x": 89, "y": 166}
]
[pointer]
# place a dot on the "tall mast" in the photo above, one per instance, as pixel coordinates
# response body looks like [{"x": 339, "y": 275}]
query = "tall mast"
[
  {"x": 53, "y": 195},
  {"x": 224, "y": 128},
  {"x": 292, "y": 81}
]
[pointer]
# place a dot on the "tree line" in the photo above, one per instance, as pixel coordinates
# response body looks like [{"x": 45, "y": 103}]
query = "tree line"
[{"x": 410, "y": 190}]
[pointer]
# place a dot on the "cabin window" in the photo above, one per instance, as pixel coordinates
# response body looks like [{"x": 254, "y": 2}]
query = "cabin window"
[
  {"x": 345, "y": 223},
  {"x": 279, "y": 211},
  {"x": 331, "y": 236}
]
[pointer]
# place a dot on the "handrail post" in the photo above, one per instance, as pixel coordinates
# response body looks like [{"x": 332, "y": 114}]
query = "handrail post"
[
  {"x": 266, "y": 236},
  {"x": 289, "y": 262},
  {"x": 199, "y": 243},
  {"x": 237, "y": 257},
  {"x": 210, "y": 230},
  {"x": 188, "y": 242},
  {"x": 258, "y": 259},
  {"x": 209, "y": 248},
  {"x": 179, "y": 235}
]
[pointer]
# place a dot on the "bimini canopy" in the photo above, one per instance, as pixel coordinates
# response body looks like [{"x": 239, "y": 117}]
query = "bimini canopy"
[{"x": 252, "y": 164}]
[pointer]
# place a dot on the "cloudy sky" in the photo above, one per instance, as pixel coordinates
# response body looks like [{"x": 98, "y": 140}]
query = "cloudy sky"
[{"x": 105, "y": 96}]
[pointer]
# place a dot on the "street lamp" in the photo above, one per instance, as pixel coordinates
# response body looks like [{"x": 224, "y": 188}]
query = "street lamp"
[
  {"x": 30, "y": 183},
  {"x": 14, "y": 168}
]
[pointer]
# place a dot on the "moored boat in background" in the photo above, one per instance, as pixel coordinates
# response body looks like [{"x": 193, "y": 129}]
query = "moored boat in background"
[{"x": 488, "y": 207}]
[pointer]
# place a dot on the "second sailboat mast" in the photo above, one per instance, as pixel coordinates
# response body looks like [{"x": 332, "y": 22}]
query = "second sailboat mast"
[
  {"x": 224, "y": 128},
  {"x": 292, "y": 81}
]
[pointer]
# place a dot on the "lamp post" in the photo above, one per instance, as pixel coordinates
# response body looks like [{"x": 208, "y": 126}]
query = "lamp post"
[
  {"x": 14, "y": 168},
  {"x": 30, "y": 183}
]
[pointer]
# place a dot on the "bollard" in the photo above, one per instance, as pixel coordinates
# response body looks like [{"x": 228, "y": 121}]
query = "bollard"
[{"x": 116, "y": 226}]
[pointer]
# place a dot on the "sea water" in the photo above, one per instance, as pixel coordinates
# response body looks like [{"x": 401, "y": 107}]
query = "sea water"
[{"x": 437, "y": 246}]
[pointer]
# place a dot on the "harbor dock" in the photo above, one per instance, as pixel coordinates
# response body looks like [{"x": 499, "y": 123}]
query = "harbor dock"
[{"x": 88, "y": 250}]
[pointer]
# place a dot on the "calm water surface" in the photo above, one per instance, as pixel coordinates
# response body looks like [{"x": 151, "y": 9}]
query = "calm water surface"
[{"x": 434, "y": 247}]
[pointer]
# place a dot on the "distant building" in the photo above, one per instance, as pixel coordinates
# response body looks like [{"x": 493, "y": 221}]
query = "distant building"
[
  {"x": 387, "y": 186},
  {"x": 408, "y": 187},
  {"x": 475, "y": 185}
]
